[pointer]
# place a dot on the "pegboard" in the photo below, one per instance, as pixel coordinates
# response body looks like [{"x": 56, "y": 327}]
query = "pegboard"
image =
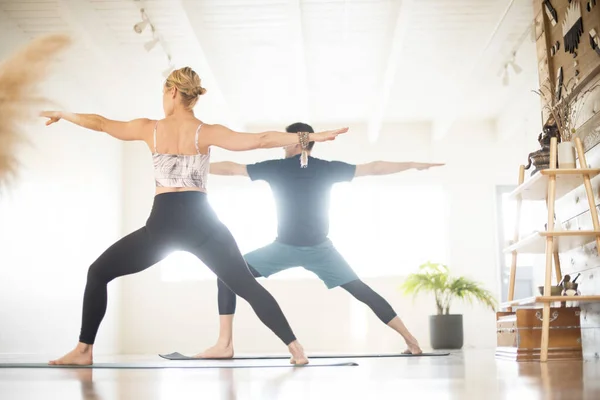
[{"x": 548, "y": 34}]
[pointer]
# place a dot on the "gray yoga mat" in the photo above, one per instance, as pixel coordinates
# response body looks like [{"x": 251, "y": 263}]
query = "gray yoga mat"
[
  {"x": 159, "y": 365},
  {"x": 180, "y": 357}
]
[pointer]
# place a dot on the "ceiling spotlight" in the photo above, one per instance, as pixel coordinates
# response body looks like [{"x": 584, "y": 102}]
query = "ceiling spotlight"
[
  {"x": 140, "y": 26},
  {"x": 514, "y": 65},
  {"x": 150, "y": 45}
]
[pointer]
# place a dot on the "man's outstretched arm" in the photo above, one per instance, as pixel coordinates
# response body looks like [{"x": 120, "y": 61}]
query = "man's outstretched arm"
[
  {"x": 228, "y": 168},
  {"x": 389, "y": 167}
]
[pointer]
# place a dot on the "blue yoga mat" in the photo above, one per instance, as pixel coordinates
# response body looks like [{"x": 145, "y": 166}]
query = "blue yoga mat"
[{"x": 180, "y": 357}]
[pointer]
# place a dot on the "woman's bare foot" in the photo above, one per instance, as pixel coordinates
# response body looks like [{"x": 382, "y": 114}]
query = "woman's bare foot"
[
  {"x": 81, "y": 355},
  {"x": 219, "y": 350},
  {"x": 413, "y": 347},
  {"x": 298, "y": 356}
]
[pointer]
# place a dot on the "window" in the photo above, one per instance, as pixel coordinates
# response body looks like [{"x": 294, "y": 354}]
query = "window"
[
  {"x": 531, "y": 215},
  {"x": 382, "y": 229},
  {"x": 387, "y": 229},
  {"x": 248, "y": 210}
]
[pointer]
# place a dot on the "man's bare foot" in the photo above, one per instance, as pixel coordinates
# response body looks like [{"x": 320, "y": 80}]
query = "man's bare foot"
[
  {"x": 411, "y": 343},
  {"x": 298, "y": 356},
  {"x": 220, "y": 351},
  {"x": 81, "y": 355},
  {"x": 413, "y": 348}
]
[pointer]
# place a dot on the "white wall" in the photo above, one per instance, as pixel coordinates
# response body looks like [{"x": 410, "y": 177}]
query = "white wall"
[
  {"x": 62, "y": 213},
  {"x": 167, "y": 316}
]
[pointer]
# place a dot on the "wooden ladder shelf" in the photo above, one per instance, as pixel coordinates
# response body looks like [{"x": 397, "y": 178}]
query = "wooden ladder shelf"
[{"x": 550, "y": 185}]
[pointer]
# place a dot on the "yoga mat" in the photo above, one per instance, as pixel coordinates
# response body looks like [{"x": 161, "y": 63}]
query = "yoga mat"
[
  {"x": 159, "y": 365},
  {"x": 180, "y": 357}
]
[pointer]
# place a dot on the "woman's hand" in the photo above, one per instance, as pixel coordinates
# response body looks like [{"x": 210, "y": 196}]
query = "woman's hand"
[
  {"x": 326, "y": 136},
  {"x": 421, "y": 166},
  {"x": 53, "y": 116},
  {"x": 136, "y": 129}
]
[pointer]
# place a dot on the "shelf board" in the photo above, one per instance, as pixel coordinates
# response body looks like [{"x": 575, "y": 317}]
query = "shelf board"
[
  {"x": 549, "y": 299},
  {"x": 536, "y": 187},
  {"x": 563, "y": 241}
]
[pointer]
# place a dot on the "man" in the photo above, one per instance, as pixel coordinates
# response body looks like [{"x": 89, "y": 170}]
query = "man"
[{"x": 302, "y": 201}]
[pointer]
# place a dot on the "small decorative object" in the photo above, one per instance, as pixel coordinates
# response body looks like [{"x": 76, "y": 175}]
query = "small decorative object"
[
  {"x": 445, "y": 329},
  {"x": 591, "y": 4},
  {"x": 303, "y": 138},
  {"x": 554, "y": 290},
  {"x": 571, "y": 289},
  {"x": 561, "y": 285},
  {"x": 559, "y": 84},
  {"x": 572, "y": 27},
  {"x": 551, "y": 12},
  {"x": 595, "y": 41},
  {"x": 566, "y": 155},
  {"x": 541, "y": 158},
  {"x": 554, "y": 49}
]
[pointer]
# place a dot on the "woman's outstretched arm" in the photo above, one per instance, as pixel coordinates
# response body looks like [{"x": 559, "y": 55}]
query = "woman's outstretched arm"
[
  {"x": 137, "y": 129},
  {"x": 221, "y": 136}
]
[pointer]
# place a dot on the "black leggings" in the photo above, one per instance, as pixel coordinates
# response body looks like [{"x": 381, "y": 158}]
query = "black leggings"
[
  {"x": 357, "y": 288},
  {"x": 179, "y": 221}
]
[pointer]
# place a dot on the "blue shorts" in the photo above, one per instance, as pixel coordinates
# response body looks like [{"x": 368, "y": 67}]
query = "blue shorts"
[{"x": 323, "y": 260}]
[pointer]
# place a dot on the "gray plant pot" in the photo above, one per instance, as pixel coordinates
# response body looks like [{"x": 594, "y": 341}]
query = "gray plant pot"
[{"x": 446, "y": 331}]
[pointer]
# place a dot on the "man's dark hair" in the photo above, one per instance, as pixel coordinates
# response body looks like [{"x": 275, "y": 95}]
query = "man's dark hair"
[{"x": 301, "y": 127}]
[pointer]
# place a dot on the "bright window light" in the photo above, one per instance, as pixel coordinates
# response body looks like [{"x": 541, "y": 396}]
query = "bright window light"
[
  {"x": 386, "y": 230},
  {"x": 531, "y": 215},
  {"x": 381, "y": 229}
]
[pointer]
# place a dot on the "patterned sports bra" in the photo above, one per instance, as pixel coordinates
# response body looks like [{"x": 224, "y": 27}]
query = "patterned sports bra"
[{"x": 181, "y": 170}]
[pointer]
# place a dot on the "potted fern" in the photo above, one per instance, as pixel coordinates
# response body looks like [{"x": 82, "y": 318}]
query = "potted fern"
[{"x": 445, "y": 329}]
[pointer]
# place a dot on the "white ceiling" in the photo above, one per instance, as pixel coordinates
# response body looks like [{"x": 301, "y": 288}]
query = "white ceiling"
[{"x": 278, "y": 61}]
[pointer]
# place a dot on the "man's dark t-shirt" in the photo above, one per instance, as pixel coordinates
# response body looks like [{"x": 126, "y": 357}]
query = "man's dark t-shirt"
[{"x": 302, "y": 195}]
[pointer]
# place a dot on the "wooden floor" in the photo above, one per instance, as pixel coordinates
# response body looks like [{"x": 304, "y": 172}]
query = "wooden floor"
[{"x": 466, "y": 375}]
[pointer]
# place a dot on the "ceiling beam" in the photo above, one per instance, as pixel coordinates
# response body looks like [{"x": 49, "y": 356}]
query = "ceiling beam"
[
  {"x": 448, "y": 116},
  {"x": 192, "y": 24},
  {"x": 299, "y": 65},
  {"x": 396, "y": 46}
]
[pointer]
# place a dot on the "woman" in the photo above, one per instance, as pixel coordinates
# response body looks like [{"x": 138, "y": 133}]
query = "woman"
[{"x": 181, "y": 217}]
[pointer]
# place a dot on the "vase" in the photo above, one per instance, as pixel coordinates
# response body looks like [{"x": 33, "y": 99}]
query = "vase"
[
  {"x": 446, "y": 331},
  {"x": 566, "y": 155}
]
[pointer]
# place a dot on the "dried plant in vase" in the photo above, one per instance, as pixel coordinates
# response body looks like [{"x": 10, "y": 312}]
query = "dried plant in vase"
[
  {"x": 564, "y": 113},
  {"x": 20, "y": 75}
]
